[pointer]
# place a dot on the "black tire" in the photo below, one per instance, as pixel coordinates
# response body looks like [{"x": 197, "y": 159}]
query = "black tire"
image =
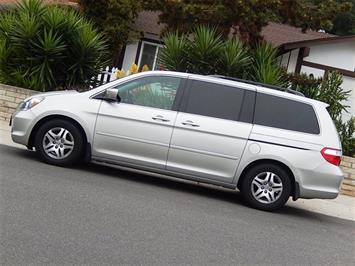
[
  {"x": 261, "y": 173},
  {"x": 74, "y": 154}
]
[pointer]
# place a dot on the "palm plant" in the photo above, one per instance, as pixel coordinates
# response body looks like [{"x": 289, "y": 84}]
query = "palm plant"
[
  {"x": 48, "y": 47},
  {"x": 175, "y": 56},
  {"x": 264, "y": 65},
  {"x": 234, "y": 60},
  {"x": 204, "y": 50}
]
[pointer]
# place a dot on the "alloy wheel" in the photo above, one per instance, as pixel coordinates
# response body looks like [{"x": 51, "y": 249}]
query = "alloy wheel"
[
  {"x": 58, "y": 143},
  {"x": 266, "y": 187}
]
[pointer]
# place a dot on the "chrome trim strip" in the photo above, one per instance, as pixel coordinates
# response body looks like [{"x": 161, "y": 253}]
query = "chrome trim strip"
[
  {"x": 279, "y": 144},
  {"x": 133, "y": 139},
  {"x": 204, "y": 152}
]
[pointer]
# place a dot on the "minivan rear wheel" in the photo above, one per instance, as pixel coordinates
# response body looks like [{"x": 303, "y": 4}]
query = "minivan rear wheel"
[
  {"x": 266, "y": 187},
  {"x": 59, "y": 142}
]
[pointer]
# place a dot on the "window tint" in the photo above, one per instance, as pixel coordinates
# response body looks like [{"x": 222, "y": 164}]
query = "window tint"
[
  {"x": 284, "y": 113},
  {"x": 157, "y": 92},
  {"x": 214, "y": 100}
]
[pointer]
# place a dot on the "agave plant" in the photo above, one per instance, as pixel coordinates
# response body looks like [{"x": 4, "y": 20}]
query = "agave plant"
[
  {"x": 234, "y": 60},
  {"x": 48, "y": 47},
  {"x": 265, "y": 68},
  {"x": 204, "y": 50},
  {"x": 175, "y": 54}
]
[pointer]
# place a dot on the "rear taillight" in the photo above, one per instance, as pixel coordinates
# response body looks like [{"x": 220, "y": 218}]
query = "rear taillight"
[{"x": 332, "y": 156}]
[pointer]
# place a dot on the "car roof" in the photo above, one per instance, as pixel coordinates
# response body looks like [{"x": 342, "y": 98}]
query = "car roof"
[
  {"x": 244, "y": 85},
  {"x": 223, "y": 81}
]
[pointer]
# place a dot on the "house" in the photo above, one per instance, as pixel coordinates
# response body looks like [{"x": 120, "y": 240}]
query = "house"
[
  {"x": 312, "y": 52},
  {"x": 321, "y": 55}
]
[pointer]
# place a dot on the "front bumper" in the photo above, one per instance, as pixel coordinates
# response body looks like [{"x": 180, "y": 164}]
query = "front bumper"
[{"x": 22, "y": 124}]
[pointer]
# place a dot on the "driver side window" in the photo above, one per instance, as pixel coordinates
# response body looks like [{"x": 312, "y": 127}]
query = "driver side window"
[{"x": 157, "y": 92}]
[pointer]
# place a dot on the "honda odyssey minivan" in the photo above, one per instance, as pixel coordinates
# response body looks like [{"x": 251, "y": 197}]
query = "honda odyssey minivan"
[{"x": 269, "y": 144}]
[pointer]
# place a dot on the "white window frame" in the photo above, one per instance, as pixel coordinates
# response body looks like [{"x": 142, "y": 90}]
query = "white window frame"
[{"x": 158, "y": 46}]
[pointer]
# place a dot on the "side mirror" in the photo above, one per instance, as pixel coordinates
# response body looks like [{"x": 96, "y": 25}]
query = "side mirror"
[{"x": 111, "y": 95}]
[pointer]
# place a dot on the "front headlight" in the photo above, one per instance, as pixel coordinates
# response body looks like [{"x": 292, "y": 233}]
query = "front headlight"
[{"x": 27, "y": 105}]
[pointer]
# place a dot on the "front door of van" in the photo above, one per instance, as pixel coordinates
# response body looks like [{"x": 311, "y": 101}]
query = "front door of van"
[
  {"x": 138, "y": 129},
  {"x": 211, "y": 131}
]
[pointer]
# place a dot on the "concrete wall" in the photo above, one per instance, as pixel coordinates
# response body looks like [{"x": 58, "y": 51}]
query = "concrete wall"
[{"x": 10, "y": 97}]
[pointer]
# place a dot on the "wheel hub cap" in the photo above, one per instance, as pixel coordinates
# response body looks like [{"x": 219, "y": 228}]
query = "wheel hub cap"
[
  {"x": 266, "y": 187},
  {"x": 58, "y": 143}
]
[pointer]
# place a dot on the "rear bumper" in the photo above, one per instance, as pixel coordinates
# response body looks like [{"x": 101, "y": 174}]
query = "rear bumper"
[{"x": 322, "y": 182}]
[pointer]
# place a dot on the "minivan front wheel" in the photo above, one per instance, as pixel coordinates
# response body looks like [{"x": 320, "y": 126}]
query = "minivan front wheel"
[
  {"x": 266, "y": 187},
  {"x": 59, "y": 142}
]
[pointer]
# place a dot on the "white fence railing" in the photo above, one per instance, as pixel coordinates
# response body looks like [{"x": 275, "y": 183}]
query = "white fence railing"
[{"x": 107, "y": 75}]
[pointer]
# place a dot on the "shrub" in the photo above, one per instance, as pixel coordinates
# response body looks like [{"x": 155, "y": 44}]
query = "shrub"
[{"x": 47, "y": 47}]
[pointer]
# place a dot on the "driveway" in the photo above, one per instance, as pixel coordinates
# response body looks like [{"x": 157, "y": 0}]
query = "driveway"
[{"x": 96, "y": 215}]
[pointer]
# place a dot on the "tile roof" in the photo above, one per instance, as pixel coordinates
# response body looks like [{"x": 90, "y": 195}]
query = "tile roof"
[
  {"x": 279, "y": 34},
  {"x": 275, "y": 33}
]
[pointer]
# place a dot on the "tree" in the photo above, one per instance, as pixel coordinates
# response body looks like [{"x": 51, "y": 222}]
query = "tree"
[
  {"x": 114, "y": 18},
  {"x": 344, "y": 24},
  {"x": 246, "y": 18},
  {"x": 48, "y": 47}
]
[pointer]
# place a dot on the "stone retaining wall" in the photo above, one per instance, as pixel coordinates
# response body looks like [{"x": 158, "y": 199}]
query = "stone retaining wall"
[
  {"x": 348, "y": 167},
  {"x": 10, "y": 97}
]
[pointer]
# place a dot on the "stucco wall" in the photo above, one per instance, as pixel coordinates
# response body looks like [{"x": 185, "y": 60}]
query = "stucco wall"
[{"x": 339, "y": 55}]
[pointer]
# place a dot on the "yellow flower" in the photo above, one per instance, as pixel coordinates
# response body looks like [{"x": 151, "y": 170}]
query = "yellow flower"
[
  {"x": 120, "y": 73},
  {"x": 133, "y": 69},
  {"x": 145, "y": 68}
]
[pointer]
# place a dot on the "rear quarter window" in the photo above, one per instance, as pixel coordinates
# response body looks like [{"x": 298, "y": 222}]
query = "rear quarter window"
[{"x": 284, "y": 113}]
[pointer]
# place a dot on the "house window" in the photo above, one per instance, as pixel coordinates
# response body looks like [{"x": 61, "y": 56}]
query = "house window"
[{"x": 149, "y": 55}]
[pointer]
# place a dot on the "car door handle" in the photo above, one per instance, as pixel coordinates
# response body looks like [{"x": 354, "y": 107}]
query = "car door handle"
[
  {"x": 190, "y": 123},
  {"x": 160, "y": 118}
]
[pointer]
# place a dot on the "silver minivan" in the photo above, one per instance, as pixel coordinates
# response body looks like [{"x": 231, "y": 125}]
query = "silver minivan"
[{"x": 267, "y": 143}]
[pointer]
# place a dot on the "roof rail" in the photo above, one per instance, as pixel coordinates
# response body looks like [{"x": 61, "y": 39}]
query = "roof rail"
[{"x": 259, "y": 84}]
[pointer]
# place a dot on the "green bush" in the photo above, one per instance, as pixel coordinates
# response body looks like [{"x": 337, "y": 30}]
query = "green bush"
[
  {"x": 48, "y": 47},
  {"x": 346, "y": 133}
]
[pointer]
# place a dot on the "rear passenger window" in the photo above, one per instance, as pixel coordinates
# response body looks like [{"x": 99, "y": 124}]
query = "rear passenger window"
[
  {"x": 214, "y": 100},
  {"x": 283, "y": 113}
]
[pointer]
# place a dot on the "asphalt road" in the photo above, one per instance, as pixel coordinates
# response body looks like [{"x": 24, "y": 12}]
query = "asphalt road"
[{"x": 95, "y": 215}]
